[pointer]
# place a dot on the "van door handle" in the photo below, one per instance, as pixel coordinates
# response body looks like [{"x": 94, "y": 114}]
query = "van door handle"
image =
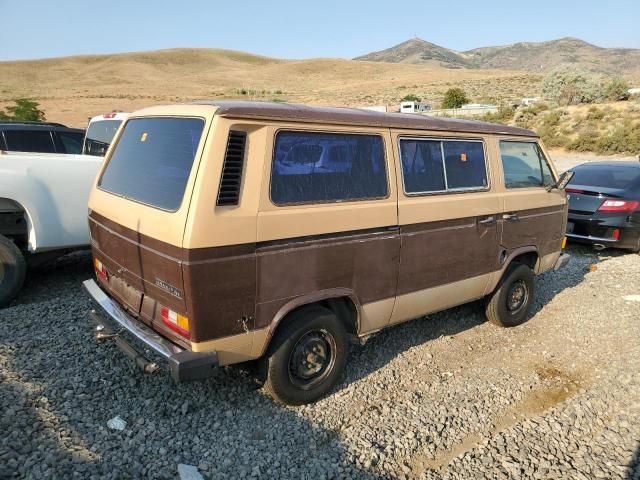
[
  {"x": 511, "y": 217},
  {"x": 487, "y": 221}
]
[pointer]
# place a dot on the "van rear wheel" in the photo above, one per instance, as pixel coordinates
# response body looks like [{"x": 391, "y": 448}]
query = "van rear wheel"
[
  {"x": 13, "y": 269},
  {"x": 510, "y": 303},
  {"x": 306, "y": 357}
]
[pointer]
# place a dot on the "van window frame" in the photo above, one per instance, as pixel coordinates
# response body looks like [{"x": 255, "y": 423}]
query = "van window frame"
[
  {"x": 447, "y": 190},
  {"x": 328, "y": 132},
  {"x": 541, "y": 156},
  {"x": 116, "y": 140}
]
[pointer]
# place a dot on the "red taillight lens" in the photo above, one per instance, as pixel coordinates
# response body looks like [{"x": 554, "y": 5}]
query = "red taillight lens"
[
  {"x": 109, "y": 115},
  {"x": 573, "y": 190},
  {"x": 101, "y": 270},
  {"x": 616, "y": 234},
  {"x": 619, "y": 206},
  {"x": 176, "y": 322}
]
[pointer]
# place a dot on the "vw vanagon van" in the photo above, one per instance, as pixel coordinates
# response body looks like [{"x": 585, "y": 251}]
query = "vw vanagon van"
[{"x": 230, "y": 232}]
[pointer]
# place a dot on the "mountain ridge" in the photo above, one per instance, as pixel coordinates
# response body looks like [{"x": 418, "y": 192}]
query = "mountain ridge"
[{"x": 527, "y": 56}]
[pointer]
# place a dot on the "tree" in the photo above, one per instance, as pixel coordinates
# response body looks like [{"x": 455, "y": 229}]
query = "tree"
[
  {"x": 411, "y": 98},
  {"x": 25, "y": 110},
  {"x": 570, "y": 86},
  {"x": 454, "y": 98}
]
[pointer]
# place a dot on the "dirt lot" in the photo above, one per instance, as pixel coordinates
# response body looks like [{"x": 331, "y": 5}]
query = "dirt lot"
[{"x": 447, "y": 396}]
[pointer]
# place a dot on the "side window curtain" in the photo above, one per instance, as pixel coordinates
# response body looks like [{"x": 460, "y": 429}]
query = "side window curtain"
[
  {"x": 524, "y": 165},
  {"x": 430, "y": 166},
  {"x": 314, "y": 167}
]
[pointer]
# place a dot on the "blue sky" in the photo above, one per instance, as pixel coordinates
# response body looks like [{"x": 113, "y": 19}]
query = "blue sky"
[{"x": 302, "y": 28}]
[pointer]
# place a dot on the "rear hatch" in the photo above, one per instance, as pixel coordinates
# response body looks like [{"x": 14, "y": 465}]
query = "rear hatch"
[{"x": 138, "y": 213}]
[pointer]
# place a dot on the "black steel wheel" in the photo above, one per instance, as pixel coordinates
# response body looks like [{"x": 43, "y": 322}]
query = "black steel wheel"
[
  {"x": 306, "y": 357},
  {"x": 510, "y": 302}
]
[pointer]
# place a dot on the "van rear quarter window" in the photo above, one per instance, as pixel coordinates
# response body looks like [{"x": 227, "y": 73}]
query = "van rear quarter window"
[
  {"x": 430, "y": 165},
  {"x": 152, "y": 161},
  {"x": 310, "y": 167}
]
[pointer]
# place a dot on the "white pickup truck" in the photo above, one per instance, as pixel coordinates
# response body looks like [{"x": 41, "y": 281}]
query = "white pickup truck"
[{"x": 43, "y": 211}]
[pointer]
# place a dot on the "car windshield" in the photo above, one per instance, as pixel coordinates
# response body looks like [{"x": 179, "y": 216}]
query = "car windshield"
[
  {"x": 617, "y": 177},
  {"x": 152, "y": 161}
]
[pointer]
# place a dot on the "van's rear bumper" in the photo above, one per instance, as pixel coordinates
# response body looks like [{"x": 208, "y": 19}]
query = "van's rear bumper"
[{"x": 183, "y": 364}]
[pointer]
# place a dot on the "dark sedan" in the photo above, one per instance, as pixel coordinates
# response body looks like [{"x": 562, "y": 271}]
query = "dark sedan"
[{"x": 604, "y": 205}]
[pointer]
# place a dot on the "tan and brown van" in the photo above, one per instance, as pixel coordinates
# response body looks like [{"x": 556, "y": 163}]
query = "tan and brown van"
[{"x": 227, "y": 232}]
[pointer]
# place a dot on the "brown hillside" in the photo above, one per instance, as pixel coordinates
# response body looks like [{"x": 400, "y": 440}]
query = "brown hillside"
[{"x": 71, "y": 89}]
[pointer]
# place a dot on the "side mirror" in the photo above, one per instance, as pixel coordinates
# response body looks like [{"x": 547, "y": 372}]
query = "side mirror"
[{"x": 563, "y": 181}]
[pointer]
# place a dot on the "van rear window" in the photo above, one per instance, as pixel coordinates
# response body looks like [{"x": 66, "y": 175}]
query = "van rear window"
[{"x": 152, "y": 161}]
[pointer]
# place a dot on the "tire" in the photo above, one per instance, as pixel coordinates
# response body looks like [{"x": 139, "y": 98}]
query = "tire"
[
  {"x": 307, "y": 357},
  {"x": 13, "y": 269},
  {"x": 510, "y": 302}
]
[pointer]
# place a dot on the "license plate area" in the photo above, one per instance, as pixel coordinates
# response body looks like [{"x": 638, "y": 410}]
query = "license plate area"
[{"x": 129, "y": 296}]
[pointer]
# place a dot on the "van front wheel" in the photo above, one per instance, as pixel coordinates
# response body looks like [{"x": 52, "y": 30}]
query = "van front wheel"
[
  {"x": 509, "y": 304},
  {"x": 307, "y": 356}
]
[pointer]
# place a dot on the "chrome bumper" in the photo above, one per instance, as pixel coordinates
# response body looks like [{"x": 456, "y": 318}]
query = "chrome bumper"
[
  {"x": 563, "y": 259},
  {"x": 112, "y": 319}
]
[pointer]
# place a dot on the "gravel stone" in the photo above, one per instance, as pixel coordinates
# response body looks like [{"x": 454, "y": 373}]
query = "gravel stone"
[{"x": 448, "y": 396}]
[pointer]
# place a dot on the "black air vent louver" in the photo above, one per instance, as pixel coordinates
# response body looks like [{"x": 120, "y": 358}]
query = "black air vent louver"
[{"x": 231, "y": 179}]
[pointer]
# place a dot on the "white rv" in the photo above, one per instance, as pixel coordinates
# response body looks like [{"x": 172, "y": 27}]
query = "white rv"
[{"x": 414, "y": 107}]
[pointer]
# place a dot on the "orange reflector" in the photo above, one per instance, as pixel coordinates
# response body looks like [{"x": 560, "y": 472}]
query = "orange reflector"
[
  {"x": 564, "y": 242},
  {"x": 101, "y": 270},
  {"x": 176, "y": 322}
]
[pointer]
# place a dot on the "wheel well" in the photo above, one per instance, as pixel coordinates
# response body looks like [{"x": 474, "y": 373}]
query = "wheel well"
[
  {"x": 529, "y": 258},
  {"x": 343, "y": 307},
  {"x": 13, "y": 222}
]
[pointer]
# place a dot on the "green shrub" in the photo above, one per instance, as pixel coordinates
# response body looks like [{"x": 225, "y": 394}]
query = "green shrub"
[
  {"x": 617, "y": 90},
  {"x": 454, "y": 98},
  {"x": 585, "y": 142},
  {"x": 504, "y": 115},
  {"x": 623, "y": 138},
  {"x": 411, "y": 98},
  {"x": 24, "y": 109},
  {"x": 526, "y": 116},
  {"x": 594, "y": 113}
]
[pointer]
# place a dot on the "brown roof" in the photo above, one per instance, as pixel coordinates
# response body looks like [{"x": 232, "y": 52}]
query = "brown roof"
[{"x": 355, "y": 116}]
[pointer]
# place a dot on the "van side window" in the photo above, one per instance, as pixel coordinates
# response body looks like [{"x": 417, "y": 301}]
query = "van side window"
[
  {"x": 430, "y": 166},
  {"x": 524, "y": 165},
  {"x": 310, "y": 167}
]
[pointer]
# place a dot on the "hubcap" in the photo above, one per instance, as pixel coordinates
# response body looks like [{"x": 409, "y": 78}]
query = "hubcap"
[
  {"x": 517, "y": 296},
  {"x": 312, "y": 359}
]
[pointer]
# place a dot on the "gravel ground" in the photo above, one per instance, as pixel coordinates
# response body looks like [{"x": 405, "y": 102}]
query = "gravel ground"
[{"x": 448, "y": 396}]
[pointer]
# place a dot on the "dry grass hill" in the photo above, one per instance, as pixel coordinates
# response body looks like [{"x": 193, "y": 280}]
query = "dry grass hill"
[
  {"x": 71, "y": 89},
  {"x": 528, "y": 56}
]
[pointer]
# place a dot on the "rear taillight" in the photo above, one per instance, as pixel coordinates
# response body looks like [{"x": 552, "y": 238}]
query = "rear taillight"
[
  {"x": 619, "y": 206},
  {"x": 109, "y": 115},
  {"x": 176, "y": 322},
  {"x": 573, "y": 190},
  {"x": 101, "y": 270}
]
